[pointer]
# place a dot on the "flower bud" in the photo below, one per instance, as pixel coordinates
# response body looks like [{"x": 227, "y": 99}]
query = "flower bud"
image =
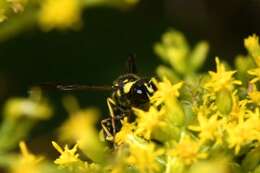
[{"x": 224, "y": 101}]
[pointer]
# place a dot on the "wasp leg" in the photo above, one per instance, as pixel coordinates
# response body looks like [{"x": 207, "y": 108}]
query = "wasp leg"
[
  {"x": 110, "y": 104},
  {"x": 108, "y": 136}
]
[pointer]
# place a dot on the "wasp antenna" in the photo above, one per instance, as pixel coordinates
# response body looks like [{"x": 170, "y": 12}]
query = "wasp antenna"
[
  {"x": 131, "y": 66},
  {"x": 74, "y": 87}
]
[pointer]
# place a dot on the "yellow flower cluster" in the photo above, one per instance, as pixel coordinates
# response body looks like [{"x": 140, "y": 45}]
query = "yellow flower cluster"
[
  {"x": 187, "y": 150},
  {"x": 221, "y": 79},
  {"x": 19, "y": 15},
  {"x": 175, "y": 50},
  {"x": 53, "y": 14},
  {"x": 196, "y": 123}
]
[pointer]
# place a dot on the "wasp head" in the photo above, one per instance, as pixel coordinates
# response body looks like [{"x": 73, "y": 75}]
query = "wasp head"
[{"x": 133, "y": 91}]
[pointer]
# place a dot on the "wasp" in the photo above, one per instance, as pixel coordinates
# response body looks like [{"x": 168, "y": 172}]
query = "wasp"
[{"x": 128, "y": 90}]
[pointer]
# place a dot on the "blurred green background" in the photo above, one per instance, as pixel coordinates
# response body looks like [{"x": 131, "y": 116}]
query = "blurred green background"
[{"x": 96, "y": 54}]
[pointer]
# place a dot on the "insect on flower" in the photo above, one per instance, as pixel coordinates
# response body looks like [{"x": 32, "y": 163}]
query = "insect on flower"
[{"x": 128, "y": 91}]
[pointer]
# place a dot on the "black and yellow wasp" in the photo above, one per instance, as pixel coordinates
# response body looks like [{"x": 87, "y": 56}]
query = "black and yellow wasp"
[{"x": 128, "y": 91}]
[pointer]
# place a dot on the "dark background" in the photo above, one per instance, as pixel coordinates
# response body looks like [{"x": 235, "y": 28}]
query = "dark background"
[{"x": 97, "y": 53}]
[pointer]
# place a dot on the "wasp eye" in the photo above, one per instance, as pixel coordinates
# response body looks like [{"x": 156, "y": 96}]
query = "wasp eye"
[
  {"x": 138, "y": 96},
  {"x": 139, "y": 91}
]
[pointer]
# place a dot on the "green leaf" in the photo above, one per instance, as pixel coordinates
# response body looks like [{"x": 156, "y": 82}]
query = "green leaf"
[{"x": 251, "y": 160}]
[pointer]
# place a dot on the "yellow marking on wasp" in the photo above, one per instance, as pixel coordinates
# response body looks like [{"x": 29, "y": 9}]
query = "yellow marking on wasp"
[
  {"x": 127, "y": 87},
  {"x": 150, "y": 89},
  {"x": 125, "y": 81},
  {"x": 118, "y": 93}
]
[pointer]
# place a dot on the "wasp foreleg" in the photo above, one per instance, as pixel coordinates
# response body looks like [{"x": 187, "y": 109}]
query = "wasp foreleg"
[
  {"x": 105, "y": 123},
  {"x": 110, "y": 104}
]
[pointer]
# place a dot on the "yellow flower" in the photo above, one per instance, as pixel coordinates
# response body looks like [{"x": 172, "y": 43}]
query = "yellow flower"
[
  {"x": 60, "y": 14},
  {"x": 252, "y": 45},
  {"x": 255, "y": 97},
  {"x": 2, "y": 15},
  {"x": 165, "y": 90},
  {"x": 79, "y": 125},
  {"x": 239, "y": 110},
  {"x": 255, "y": 72},
  {"x": 187, "y": 150},
  {"x": 127, "y": 129},
  {"x": 68, "y": 157},
  {"x": 243, "y": 125},
  {"x": 209, "y": 128},
  {"x": 208, "y": 106},
  {"x": 17, "y": 5},
  {"x": 174, "y": 165},
  {"x": 118, "y": 164},
  {"x": 80, "y": 128},
  {"x": 221, "y": 79},
  {"x": 148, "y": 121},
  {"x": 253, "y": 94},
  {"x": 241, "y": 133},
  {"x": 174, "y": 50},
  {"x": 252, "y": 42},
  {"x": 254, "y": 121},
  {"x": 237, "y": 137},
  {"x": 18, "y": 107},
  {"x": 143, "y": 157},
  {"x": 27, "y": 163}
]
